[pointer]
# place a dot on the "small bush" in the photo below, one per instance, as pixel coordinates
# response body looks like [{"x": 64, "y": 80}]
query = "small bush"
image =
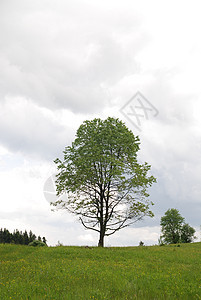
[
  {"x": 59, "y": 244},
  {"x": 37, "y": 243}
]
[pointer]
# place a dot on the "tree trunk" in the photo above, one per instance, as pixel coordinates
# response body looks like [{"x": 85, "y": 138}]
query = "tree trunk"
[
  {"x": 101, "y": 239},
  {"x": 102, "y": 228}
]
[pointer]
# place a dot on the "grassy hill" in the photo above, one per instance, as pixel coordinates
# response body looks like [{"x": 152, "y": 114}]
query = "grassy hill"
[{"x": 167, "y": 272}]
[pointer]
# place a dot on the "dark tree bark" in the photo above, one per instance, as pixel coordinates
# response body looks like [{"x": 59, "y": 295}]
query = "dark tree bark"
[{"x": 101, "y": 240}]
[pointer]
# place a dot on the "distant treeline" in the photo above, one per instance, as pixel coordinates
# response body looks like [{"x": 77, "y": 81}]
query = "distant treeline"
[{"x": 18, "y": 237}]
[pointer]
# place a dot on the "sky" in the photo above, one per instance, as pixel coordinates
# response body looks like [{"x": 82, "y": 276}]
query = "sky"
[{"x": 63, "y": 62}]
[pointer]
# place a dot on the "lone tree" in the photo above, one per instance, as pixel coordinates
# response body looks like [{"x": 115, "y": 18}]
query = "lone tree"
[
  {"x": 105, "y": 185},
  {"x": 174, "y": 230},
  {"x": 187, "y": 234}
]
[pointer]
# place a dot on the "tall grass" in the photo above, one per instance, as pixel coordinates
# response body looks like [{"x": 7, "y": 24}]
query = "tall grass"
[{"x": 94, "y": 273}]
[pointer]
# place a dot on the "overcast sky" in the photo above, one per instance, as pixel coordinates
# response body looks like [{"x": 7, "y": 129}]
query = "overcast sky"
[{"x": 62, "y": 62}]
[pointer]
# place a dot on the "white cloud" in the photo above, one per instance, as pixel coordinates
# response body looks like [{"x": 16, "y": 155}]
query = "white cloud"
[
  {"x": 132, "y": 236},
  {"x": 59, "y": 56},
  {"x": 86, "y": 238},
  {"x": 27, "y": 128}
]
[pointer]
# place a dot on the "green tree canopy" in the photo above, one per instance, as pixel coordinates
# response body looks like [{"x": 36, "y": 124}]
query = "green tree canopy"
[
  {"x": 187, "y": 233},
  {"x": 174, "y": 230},
  {"x": 105, "y": 185}
]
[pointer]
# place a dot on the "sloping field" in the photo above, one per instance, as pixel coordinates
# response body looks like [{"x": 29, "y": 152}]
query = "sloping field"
[{"x": 167, "y": 272}]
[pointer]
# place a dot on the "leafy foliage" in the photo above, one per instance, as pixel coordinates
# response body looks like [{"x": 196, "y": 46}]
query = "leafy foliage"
[
  {"x": 174, "y": 230},
  {"x": 106, "y": 186},
  {"x": 37, "y": 243},
  {"x": 187, "y": 233},
  {"x": 18, "y": 237}
]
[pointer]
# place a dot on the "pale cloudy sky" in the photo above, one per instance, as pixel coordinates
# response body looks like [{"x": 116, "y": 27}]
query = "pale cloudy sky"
[{"x": 62, "y": 62}]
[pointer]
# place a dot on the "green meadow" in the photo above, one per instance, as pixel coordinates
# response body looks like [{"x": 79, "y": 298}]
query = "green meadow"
[{"x": 167, "y": 272}]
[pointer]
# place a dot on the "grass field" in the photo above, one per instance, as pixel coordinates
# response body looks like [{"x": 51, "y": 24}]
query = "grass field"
[{"x": 154, "y": 272}]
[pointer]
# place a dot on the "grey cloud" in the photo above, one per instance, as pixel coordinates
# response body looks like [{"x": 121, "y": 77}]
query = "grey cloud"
[
  {"x": 60, "y": 56},
  {"x": 66, "y": 55},
  {"x": 25, "y": 128}
]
